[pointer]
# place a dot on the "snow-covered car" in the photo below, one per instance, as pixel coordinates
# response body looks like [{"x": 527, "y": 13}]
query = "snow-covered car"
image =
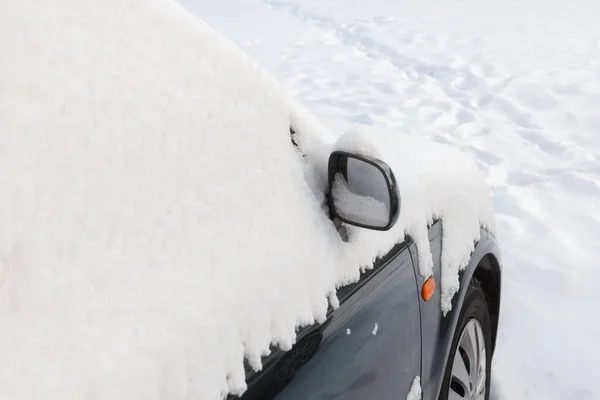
[
  {"x": 388, "y": 334},
  {"x": 175, "y": 225}
]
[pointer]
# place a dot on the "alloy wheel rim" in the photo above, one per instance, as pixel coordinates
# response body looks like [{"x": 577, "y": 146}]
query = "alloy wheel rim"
[{"x": 468, "y": 378}]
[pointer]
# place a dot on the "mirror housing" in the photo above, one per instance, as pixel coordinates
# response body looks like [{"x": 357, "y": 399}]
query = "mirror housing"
[{"x": 362, "y": 191}]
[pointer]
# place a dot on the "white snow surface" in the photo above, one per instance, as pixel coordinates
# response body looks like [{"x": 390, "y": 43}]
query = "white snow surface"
[
  {"x": 157, "y": 225},
  {"x": 357, "y": 141},
  {"x": 515, "y": 84},
  {"x": 415, "y": 390}
]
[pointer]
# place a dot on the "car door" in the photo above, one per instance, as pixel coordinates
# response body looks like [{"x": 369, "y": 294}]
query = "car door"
[{"x": 369, "y": 347}]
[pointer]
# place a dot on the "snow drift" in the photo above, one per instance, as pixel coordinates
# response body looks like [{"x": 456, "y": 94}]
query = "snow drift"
[{"x": 157, "y": 225}]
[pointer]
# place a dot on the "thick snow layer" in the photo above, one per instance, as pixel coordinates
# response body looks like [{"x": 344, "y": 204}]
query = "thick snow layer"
[
  {"x": 357, "y": 141},
  {"x": 150, "y": 199},
  {"x": 513, "y": 83},
  {"x": 157, "y": 225},
  {"x": 415, "y": 390}
]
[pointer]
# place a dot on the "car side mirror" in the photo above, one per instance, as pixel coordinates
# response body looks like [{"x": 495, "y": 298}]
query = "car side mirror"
[{"x": 362, "y": 191}]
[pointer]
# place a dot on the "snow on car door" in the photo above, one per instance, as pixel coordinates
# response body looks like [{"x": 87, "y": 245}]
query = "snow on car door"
[{"x": 371, "y": 345}]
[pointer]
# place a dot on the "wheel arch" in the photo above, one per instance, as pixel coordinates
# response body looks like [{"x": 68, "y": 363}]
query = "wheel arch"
[
  {"x": 486, "y": 266},
  {"x": 489, "y": 274}
]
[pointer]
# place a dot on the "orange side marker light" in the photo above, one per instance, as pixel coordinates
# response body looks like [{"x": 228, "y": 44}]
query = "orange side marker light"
[{"x": 428, "y": 288}]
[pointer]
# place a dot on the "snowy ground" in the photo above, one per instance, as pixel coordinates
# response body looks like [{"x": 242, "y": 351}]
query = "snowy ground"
[{"x": 517, "y": 85}]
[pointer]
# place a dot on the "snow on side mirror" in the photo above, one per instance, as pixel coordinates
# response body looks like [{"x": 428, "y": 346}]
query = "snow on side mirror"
[{"x": 362, "y": 191}]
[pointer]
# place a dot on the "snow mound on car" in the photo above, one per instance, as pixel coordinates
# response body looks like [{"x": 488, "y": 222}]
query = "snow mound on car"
[
  {"x": 435, "y": 182},
  {"x": 157, "y": 225}
]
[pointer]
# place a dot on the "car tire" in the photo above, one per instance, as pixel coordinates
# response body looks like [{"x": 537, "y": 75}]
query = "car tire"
[{"x": 472, "y": 335}]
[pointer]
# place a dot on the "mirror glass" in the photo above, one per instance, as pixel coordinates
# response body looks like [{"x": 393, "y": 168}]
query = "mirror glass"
[{"x": 362, "y": 196}]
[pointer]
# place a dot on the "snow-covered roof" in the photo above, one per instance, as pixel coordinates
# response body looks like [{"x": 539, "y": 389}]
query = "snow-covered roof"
[{"x": 157, "y": 225}]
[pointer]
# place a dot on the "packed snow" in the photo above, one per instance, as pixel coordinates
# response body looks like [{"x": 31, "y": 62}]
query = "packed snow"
[
  {"x": 515, "y": 84},
  {"x": 149, "y": 185}
]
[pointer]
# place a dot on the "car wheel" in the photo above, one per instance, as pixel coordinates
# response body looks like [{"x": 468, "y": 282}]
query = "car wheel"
[{"x": 468, "y": 370}]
